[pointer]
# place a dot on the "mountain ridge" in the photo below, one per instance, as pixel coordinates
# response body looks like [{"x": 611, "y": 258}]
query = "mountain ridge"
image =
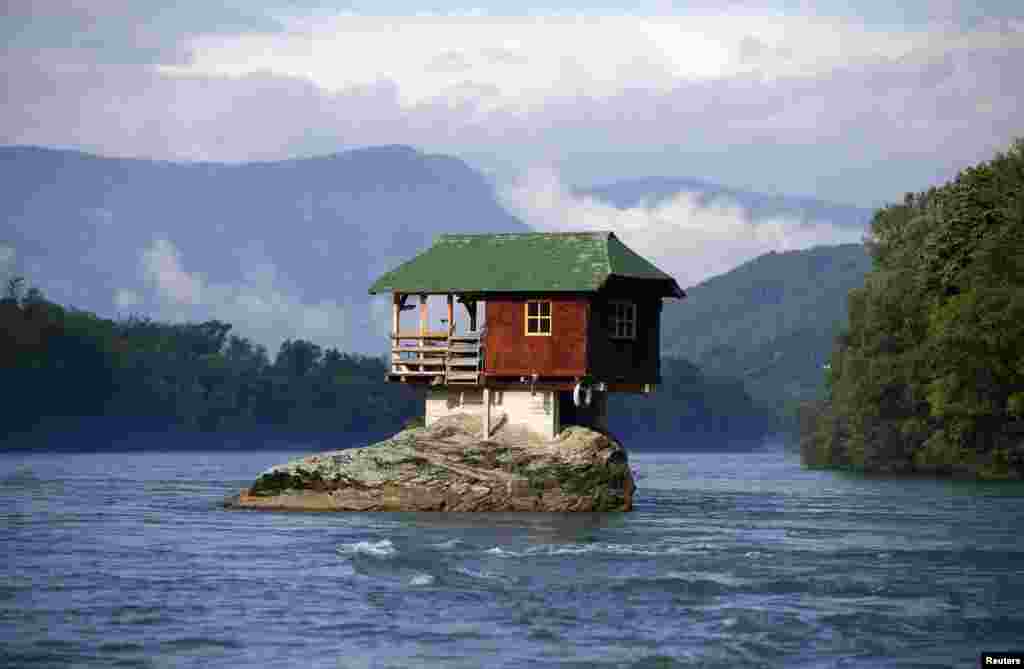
[{"x": 310, "y": 233}]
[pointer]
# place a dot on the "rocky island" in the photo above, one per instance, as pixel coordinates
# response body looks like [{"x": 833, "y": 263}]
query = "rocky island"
[{"x": 448, "y": 467}]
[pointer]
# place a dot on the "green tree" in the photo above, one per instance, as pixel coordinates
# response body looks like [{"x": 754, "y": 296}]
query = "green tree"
[{"x": 930, "y": 375}]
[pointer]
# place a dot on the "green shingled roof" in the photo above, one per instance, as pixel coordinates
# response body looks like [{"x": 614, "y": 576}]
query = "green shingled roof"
[{"x": 527, "y": 262}]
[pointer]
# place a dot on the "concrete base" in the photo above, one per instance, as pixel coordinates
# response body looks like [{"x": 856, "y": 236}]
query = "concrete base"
[
  {"x": 544, "y": 412},
  {"x": 538, "y": 412}
]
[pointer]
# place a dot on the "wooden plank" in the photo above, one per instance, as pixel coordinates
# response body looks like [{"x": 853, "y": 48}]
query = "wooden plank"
[
  {"x": 419, "y": 349},
  {"x": 428, "y": 335},
  {"x": 546, "y": 374},
  {"x": 416, "y": 374},
  {"x": 423, "y": 315}
]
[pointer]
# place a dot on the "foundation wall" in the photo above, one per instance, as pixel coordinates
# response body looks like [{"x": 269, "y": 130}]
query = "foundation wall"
[
  {"x": 538, "y": 412},
  {"x": 445, "y": 402}
]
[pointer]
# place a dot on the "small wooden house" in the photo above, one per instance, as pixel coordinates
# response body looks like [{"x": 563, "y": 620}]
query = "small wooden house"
[{"x": 549, "y": 323}]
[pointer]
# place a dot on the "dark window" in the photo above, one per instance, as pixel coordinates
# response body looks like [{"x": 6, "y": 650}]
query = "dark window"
[{"x": 623, "y": 325}]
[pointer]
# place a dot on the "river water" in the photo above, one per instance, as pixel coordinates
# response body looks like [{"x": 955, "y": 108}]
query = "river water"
[{"x": 740, "y": 559}]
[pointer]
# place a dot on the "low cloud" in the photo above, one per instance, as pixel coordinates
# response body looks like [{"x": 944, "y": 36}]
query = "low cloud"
[
  {"x": 126, "y": 299},
  {"x": 161, "y": 263},
  {"x": 257, "y": 306},
  {"x": 7, "y": 256},
  {"x": 690, "y": 240}
]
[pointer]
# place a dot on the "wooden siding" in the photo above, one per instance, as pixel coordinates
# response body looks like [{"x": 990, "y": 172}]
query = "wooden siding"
[
  {"x": 509, "y": 352},
  {"x": 625, "y": 360}
]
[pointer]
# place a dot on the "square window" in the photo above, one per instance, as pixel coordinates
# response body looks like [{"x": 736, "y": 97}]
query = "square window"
[{"x": 538, "y": 317}]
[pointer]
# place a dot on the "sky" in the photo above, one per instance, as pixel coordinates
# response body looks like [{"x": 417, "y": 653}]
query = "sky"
[
  {"x": 850, "y": 102},
  {"x": 855, "y": 103}
]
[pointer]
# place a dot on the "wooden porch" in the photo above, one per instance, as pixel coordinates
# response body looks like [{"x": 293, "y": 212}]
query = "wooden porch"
[{"x": 436, "y": 357}]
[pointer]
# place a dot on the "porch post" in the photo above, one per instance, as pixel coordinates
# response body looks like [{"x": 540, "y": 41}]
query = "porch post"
[
  {"x": 395, "y": 312},
  {"x": 451, "y": 314},
  {"x": 487, "y": 413},
  {"x": 423, "y": 330}
]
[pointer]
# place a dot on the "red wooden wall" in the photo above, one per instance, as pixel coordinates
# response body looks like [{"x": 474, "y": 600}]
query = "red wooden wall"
[{"x": 509, "y": 352}]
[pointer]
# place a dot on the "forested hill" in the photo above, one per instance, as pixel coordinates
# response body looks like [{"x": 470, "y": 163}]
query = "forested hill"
[
  {"x": 769, "y": 322},
  {"x": 929, "y": 376},
  {"x": 101, "y": 381}
]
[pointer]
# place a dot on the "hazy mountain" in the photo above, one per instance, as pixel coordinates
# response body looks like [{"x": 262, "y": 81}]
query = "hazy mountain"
[
  {"x": 281, "y": 244},
  {"x": 654, "y": 190},
  {"x": 272, "y": 244},
  {"x": 770, "y": 321}
]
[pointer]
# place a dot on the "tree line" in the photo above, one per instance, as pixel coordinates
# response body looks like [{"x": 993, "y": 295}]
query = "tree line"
[
  {"x": 62, "y": 364},
  {"x": 65, "y": 368},
  {"x": 929, "y": 375}
]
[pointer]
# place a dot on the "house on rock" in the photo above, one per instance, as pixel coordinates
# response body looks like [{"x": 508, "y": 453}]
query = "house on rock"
[{"x": 549, "y": 324}]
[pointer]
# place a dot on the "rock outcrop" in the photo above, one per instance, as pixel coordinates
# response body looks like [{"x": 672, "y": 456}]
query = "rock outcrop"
[{"x": 447, "y": 467}]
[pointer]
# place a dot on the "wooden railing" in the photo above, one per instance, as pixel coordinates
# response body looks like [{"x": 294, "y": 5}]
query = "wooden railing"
[{"x": 442, "y": 359}]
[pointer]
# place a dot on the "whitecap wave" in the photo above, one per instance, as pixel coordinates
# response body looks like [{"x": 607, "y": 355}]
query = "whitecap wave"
[
  {"x": 451, "y": 544},
  {"x": 725, "y": 580},
  {"x": 501, "y": 552},
  {"x": 580, "y": 549},
  {"x": 421, "y": 579},
  {"x": 485, "y": 575},
  {"x": 377, "y": 548}
]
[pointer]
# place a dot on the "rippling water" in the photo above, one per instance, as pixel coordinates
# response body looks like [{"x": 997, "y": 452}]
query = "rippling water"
[{"x": 739, "y": 559}]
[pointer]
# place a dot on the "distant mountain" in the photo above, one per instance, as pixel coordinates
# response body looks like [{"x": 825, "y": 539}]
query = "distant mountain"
[
  {"x": 654, "y": 190},
  {"x": 770, "y": 322},
  {"x": 312, "y": 230}
]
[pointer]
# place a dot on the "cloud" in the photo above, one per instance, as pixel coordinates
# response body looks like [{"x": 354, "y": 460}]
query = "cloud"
[
  {"x": 7, "y": 256},
  {"x": 801, "y": 104},
  {"x": 524, "y": 61},
  {"x": 258, "y": 306},
  {"x": 691, "y": 241},
  {"x": 161, "y": 263},
  {"x": 125, "y": 299}
]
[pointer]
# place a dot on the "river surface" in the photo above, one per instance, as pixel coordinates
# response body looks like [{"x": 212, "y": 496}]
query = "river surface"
[{"x": 729, "y": 560}]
